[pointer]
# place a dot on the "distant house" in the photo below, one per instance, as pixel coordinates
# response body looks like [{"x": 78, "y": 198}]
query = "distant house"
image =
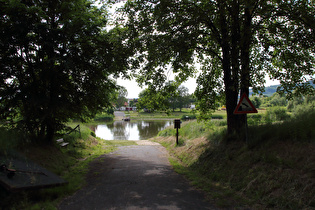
[{"x": 193, "y": 106}]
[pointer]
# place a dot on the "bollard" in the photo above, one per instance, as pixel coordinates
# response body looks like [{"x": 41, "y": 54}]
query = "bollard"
[{"x": 177, "y": 126}]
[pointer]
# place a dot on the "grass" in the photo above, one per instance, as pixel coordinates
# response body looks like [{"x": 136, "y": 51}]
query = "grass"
[
  {"x": 140, "y": 115},
  {"x": 275, "y": 170},
  {"x": 218, "y": 114},
  {"x": 104, "y": 117},
  {"x": 70, "y": 163}
]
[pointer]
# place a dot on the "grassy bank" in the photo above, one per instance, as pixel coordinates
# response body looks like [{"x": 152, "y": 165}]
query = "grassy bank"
[
  {"x": 70, "y": 163},
  {"x": 275, "y": 170},
  {"x": 184, "y": 114},
  {"x": 134, "y": 115}
]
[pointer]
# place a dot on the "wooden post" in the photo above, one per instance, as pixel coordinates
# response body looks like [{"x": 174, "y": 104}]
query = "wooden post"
[
  {"x": 176, "y": 136},
  {"x": 177, "y": 126}
]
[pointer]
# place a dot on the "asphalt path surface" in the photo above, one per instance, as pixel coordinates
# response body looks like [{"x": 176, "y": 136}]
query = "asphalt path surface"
[{"x": 135, "y": 177}]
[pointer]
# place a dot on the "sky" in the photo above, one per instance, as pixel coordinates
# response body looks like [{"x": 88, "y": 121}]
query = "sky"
[{"x": 134, "y": 90}]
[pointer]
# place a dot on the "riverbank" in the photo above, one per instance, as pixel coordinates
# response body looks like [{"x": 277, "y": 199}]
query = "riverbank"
[
  {"x": 141, "y": 115},
  {"x": 277, "y": 173}
]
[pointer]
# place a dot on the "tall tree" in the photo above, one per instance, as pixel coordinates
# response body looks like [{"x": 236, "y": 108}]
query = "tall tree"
[
  {"x": 181, "y": 98},
  {"x": 121, "y": 99},
  {"x": 56, "y": 61},
  {"x": 153, "y": 99},
  {"x": 236, "y": 43}
]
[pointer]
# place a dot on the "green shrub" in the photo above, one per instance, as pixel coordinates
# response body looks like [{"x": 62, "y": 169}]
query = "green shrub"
[
  {"x": 303, "y": 110},
  {"x": 104, "y": 117},
  {"x": 217, "y": 116},
  {"x": 9, "y": 139},
  {"x": 193, "y": 129},
  {"x": 93, "y": 134},
  {"x": 276, "y": 114},
  {"x": 167, "y": 132},
  {"x": 254, "y": 119},
  {"x": 300, "y": 127}
]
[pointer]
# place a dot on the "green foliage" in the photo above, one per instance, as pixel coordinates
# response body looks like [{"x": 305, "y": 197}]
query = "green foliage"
[
  {"x": 300, "y": 101},
  {"x": 187, "y": 128},
  {"x": 256, "y": 101},
  {"x": 276, "y": 114},
  {"x": 121, "y": 99},
  {"x": 255, "y": 119},
  {"x": 167, "y": 132},
  {"x": 297, "y": 128},
  {"x": 181, "y": 98},
  {"x": 56, "y": 63},
  {"x": 194, "y": 129},
  {"x": 234, "y": 44},
  {"x": 278, "y": 100},
  {"x": 170, "y": 96},
  {"x": 103, "y": 117},
  {"x": 152, "y": 99},
  {"x": 71, "y": 163},
  {"x": 216, "y": 116},
  {"x": 273, "y": 171},
  {"x": 9, "y": 139}
]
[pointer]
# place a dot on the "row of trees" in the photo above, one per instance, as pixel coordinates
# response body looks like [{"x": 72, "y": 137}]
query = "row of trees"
[
  {"x": 57, "y": 58},
  {"x": 235, "y": 42},
  {"x": 281, "y": 100},
  {"x": 56, "y": 63},
  {"x": 172, "y": 97}
]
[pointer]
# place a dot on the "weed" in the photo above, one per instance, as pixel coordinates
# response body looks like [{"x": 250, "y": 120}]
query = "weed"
[
  {"x": 274, "y": 170},
  {"x": 70, "y": 162}
]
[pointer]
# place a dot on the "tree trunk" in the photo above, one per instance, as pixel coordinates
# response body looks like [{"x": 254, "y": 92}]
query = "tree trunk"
[
  {"x": 50, "y": 132},
  {"x": 230, "y": 63}
]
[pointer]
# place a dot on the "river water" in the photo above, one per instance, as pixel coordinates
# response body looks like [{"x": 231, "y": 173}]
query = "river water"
[{"x": 131, "y": 130}]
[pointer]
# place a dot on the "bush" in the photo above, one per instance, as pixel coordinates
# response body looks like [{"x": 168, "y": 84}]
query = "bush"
[
  {"x": 303, "y": 109},
  {"x": 9, "y": 139},
  {"x": 167, "y": 132},
  {"x": 254, "y": 119},
  {"x": 276, "y": 114},
  {"x": 104, "y": 117},
  {"x": 300, "y": 127},
  {"x": 217, "y": 116}
]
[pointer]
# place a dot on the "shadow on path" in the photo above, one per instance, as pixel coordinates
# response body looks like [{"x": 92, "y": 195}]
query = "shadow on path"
[{"x": 135, "y": 177}]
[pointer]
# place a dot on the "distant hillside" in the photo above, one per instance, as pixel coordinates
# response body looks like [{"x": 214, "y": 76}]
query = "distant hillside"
[
  {"x": 272, "y": 89},
  {"x": 268, "y": 90}
]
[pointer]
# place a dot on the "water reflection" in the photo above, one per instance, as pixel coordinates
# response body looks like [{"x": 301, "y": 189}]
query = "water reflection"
[{"x": 132, "y": 130}]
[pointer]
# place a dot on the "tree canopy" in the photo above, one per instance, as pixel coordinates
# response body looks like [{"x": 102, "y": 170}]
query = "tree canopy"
[
  {"x": 121, "y": 98},
  {"x": 56, "y": 62},
  {"x": 235, "y": 42}
]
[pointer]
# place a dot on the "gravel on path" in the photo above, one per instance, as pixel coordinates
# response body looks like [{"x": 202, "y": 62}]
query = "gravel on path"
[{"x": 135, "y": 177}]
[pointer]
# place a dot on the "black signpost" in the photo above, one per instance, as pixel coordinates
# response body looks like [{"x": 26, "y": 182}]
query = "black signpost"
[{"x": 177, "y": 126}]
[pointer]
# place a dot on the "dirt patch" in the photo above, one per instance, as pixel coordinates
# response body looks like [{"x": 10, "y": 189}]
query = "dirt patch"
[{"x": 146, "y": 143}]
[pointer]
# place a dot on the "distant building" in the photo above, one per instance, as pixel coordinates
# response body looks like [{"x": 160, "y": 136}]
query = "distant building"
[{"x": 130, "y": 105}]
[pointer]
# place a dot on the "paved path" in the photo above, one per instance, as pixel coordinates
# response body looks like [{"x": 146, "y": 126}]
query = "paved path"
[
  {"x": 135, "y": 177},
  {"x": 119, "y": 115}
]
